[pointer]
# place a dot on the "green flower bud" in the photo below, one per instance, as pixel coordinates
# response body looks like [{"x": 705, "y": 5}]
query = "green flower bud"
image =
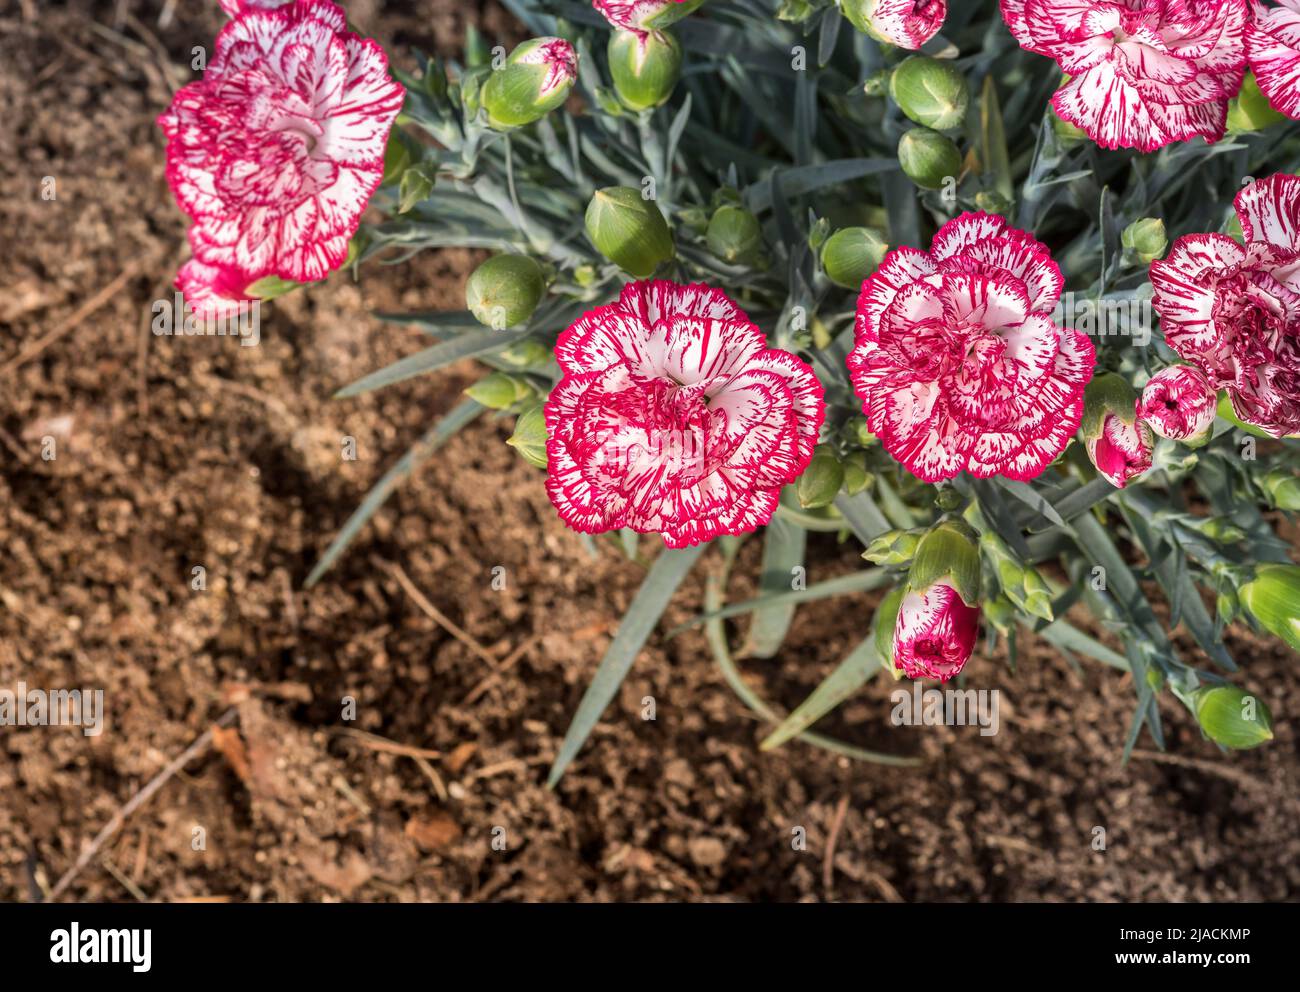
[
  {"x": 1146, "y": 239},
  {"x": 529, "y": 438},
  {"x": 528, "y": 353},
  {"x": 795, "y": 11},
  {"x": 505, "y": 290},
  {"x": 928, "y": 158},
  {"x": 1272, "y": 597},
  {"x": 397, "y": 157},
  {"x": 948, "y": 551},
  {"x": 894, "y": 547},
  {"x": 498, "y": 391},
  {"x": 992, "y": 202},
  {"x": 416, "y": 185},
  {"x": 851, "y": 254},
  {"x": 535, "y": 79},
  {"x": 1107, "y": 393},
  {"x": 1021, "y": 583},
  {"x": 932, "y": 92},
  {"x": 644, "y": 67},
  {"x": 734, "y": 235},
  {"x": 1066, "y": 132},
  {"x": 863, "y": 433},
  {"x": 1282, "y": 488},
  {"x": 1232, "y": 717},
  {"x": 821, "y": 480},
  {"x": 629, "y": 230},
  {"x": 885, "y": 620},
  {"x": 877, "y": 84},
  {"x": 1227, "y": 605},
  {"x": 1217, "y": 529},
  {"x": 857, "y": 476},
  {"x": 948, "y": 499},
  {"x": 1249, "y": 110}
]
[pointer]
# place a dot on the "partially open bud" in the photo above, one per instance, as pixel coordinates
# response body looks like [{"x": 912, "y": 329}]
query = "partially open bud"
[
  {"x": 505, "y": 290},
  {"x": 905, "y": 23},
  {"x": 629, "y": 230},
  {"x": 929, "y": 158},
  {"x": 529, "y": 438},
  {"x": 734, "y": 235},
  {"x": 1146, "y": 238},
  {"x": 932, "y": 92},
  {"x": 1232, "y": 717},
  {"x": 851, "y": 254},
  {"x": 938, "y": 619},
  {"x": 1282, "y": 486},
  {"x": 535, "y": 79},
  {"x": 821, "y": 480},
  {"x": 1118, "y": 444},
  {"x": 1272, "y": 597},
  {"x": 644, "y": 67},
  {"x": 645, "y": 15},
  {"x": 1249, "y": 110},
  {"x": 1179, "y": 403}
]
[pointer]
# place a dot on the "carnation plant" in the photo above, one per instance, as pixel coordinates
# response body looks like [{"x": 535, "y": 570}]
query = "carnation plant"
[{"x": 894, "y": 271}]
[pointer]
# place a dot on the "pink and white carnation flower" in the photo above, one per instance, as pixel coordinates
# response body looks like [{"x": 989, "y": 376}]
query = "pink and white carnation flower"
[
  {"x": 1273, "y": 48},
  {"x": 1179, "y": 403},
  {"x": 935, "y": 633},
  {"x": 1143, "y": 73},
  {"x": 1122, "y": 451},
  {"x": 236, "y": 7},
  {"x": 1234, "y": 311},
  {"x": 905, "y": 23},
  {"x": 674, "y": 417},
  {"x": 957, "y": 360},
  {"x": 642, "y": 16},
  {"x": 277, "y": 150}
]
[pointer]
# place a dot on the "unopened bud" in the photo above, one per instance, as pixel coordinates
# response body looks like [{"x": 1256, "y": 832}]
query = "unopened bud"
[
  {"x": 629, "y": 230},
  {"x": 852, "y": 254},
  {"x": 1272, "y": 597},
  {"x": 1146, "y": 239},
  {"x": 498, "y": 391},
  {"x": 894, "y": 547},
  {"x": 505, "y": 290},
  {"x": 928, "y": 158},
  {"x": 734, "y": 235},
  {"x": 1249, "y": 110},
  {"x": 529, "y": 438},
  {"x": 932, "y": 92},
  {"x": 1232, "y": 717},
  {"x": 821, "y": 480},
  {"x": 1282, "y": 486}
]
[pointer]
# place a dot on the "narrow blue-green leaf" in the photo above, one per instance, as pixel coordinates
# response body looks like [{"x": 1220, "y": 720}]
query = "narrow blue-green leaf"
[
  {"x": 798, "y": 180},
  {"x": 783, "y": 551},
  {"x": 849, "y": 676},
  {"x": 862, "y": 515},
  {"x": 665, "y": 575},
  {"x": 1064, "y": 635},
  {"x": 1031, "y": 498},
  {"x": 434, "y": 357},
  {"x": 842, "y": 585},
  {"x": 433, "y": 439}
]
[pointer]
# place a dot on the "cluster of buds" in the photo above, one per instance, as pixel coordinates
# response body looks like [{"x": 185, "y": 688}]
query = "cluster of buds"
[
  {"x": 932, "y": 93},
  {"x": 1119, "y": 427}
]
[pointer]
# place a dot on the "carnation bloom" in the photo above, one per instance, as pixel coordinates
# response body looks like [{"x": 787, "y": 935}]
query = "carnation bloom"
[
  {"x": 235, "y": 7},
  {"x": 935, "y": 633},
  {"x": 957, "y": 361},
  {"x": 1273, "y": 47},
  {"x": 213, "y": 291},
  {"x": 276, "y": 152},
  {"x": 1143, "y": 73},
  {"x": 1179, "y": 403},
  {"x": 674, "y": 417},
  {"x": 1122, "y": 451},
  {"x": 905, "y": 23},
  {"x": 1234, "y": 311}
]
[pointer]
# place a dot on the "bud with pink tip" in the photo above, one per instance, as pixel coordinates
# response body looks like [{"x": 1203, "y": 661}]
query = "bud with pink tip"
[
  {"x": 1118, "y": 442},
  {"x": 1179, "y": 403},
  {"x": 938, "y": 618}
]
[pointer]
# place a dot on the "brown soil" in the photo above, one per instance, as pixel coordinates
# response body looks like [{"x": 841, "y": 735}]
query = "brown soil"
[{"x": 173, "y": 453}]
